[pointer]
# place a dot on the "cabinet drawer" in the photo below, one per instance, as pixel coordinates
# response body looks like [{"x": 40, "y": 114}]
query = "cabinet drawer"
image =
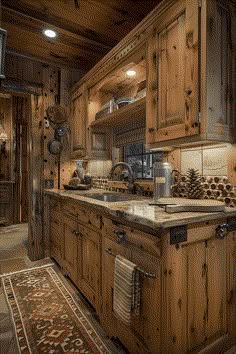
[
  {"x": 55, "y": 217},
  {"x": 82, "y": 214},
  {"x": 54, "y": 205},
  {"x": 131, "y": 237}
]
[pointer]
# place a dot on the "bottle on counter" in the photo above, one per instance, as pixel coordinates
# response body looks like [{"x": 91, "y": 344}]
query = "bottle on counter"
[{"x": 162, "y": 179}]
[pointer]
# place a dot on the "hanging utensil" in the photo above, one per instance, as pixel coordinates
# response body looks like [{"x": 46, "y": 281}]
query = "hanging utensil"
[
  {"x": 56, "y": 115},
  {"x": 55, "y": 147}
]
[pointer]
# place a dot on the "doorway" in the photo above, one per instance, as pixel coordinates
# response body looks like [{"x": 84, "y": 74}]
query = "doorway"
[{"x": 14, "y": 158}]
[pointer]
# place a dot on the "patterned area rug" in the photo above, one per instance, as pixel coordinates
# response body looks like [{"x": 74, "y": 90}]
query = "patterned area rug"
[{"x": 46, "y": 318}]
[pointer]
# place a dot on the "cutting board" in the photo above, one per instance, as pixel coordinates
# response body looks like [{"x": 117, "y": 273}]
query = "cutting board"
[{"x": 176, "y": 205}]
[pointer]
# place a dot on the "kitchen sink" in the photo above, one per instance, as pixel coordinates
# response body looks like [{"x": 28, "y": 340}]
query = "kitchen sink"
[{"x": 108, "y": 197}]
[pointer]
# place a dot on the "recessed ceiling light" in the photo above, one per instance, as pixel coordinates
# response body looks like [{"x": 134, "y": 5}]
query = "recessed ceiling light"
[
  {"x": 49, "y": 33},
  {"x": 131, "y": 73}
]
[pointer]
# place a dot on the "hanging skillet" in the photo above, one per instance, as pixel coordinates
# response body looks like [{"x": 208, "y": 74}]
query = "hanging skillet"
[
  {"x": 56, "y": 115},
  {"x": 55, "y": 147}
]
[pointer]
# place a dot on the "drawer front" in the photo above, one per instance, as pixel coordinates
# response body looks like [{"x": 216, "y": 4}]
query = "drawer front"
[
  {"x": 82, "y": 214},
  {"x": 54, "y": 205},
  {"x": 130, "y": 237}
]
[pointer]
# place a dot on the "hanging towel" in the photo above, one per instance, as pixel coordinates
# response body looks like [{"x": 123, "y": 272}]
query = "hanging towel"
[{"x": 126, "y": 300}]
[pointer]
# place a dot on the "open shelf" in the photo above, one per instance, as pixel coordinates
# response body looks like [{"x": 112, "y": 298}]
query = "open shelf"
[{"x": 133, "y": 111}]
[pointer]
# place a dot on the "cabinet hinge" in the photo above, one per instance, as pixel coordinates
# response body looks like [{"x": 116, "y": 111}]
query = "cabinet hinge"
[
  {"x": 199, "y": 117},
  {"x": 199, "y": 3}
]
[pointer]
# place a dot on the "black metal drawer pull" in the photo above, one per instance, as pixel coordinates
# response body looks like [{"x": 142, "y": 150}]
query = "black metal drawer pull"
[{"x": 146, "y": 274}]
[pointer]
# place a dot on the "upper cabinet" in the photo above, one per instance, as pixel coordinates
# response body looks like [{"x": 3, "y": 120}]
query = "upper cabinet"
[
  {"x": 190, "y": 76},
  {"x": 183, "y": 91},
  {"x": 78, "y": 122}
]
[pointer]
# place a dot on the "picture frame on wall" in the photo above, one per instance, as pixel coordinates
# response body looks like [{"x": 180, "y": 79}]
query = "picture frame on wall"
[{"x": 3, "y": 37}]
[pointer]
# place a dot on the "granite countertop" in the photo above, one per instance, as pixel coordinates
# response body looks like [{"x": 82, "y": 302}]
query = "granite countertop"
[{"x": 137, "y": 210}]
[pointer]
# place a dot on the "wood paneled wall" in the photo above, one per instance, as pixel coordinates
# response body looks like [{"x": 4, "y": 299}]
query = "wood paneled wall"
[
  {"x": 5, "y": 120},
  {"x": 43, "y": 85}
]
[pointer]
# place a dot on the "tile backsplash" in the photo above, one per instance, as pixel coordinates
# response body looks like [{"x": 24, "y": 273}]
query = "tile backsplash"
[{"x": 208, "y": 160}]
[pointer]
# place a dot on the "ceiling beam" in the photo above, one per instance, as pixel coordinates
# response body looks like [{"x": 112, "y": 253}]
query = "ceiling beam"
[{"x": 56, "y": 23}]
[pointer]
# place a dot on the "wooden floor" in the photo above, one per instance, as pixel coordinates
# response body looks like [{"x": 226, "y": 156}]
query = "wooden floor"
[{"x": 13, "y": 257}]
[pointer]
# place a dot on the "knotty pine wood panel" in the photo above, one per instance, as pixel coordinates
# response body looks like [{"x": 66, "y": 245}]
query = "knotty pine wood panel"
[
  {"x": 231, "y": 283},
  {"x": 196, "y": 287},
  {"x": 51, "y": 95},
  {"x": 90, "y": 19},
  {"x": 36, "y": 238},
  {"x": 216, "y": 273},
  {"x": 220, "y": 64}
]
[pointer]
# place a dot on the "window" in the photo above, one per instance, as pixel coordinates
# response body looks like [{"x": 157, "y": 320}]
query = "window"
[{"x": 140, "y": 159}]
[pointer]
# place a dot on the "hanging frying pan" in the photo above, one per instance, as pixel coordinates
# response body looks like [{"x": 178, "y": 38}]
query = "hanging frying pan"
[
  {"x": 55, "y": 147},
  {"x": 56, "y": 115},
  {"x": 61, "y": 131}
]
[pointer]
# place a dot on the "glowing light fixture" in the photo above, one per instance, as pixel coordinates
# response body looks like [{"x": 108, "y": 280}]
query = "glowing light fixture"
[
  {"x": 131, "y": 73},
  {"x": 50, "y": 33}
]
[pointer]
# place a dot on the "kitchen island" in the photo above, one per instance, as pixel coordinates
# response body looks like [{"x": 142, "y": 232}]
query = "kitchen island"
[{"x": 188, "y": 300}]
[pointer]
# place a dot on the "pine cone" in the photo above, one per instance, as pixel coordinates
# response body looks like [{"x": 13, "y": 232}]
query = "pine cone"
[{"x": 194, "y": 185}]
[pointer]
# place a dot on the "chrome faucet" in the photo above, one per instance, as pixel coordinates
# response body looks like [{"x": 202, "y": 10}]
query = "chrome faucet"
[{"x": 130, "y": 174}]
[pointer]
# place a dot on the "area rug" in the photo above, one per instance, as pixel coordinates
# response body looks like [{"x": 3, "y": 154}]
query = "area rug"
[{"x": 45, "y": 316}]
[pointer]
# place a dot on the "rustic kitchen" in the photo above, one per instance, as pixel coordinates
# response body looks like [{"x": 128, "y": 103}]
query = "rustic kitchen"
[{"x": 125, "y": 172}]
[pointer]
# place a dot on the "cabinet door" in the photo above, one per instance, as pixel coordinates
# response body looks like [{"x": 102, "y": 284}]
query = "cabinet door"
[
  {"x": 231, "y": 285},
  {"x": 172, "y": 96},
  {"x": 78, "y": 123},
  {"x": 109, "y": 320},
  {"x": 89, "y": 258},
  {"x": 70, "y": 257},
  {"x": 199, "y": 292},
  {"x": 220, "y": 40},
  {"x": 143, "y": 334},
  {"x": 56, "y": 236},
  {"x": 146, "y": 326}
]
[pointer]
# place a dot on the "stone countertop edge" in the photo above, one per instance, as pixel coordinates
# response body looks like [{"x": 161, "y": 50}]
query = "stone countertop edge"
[{"x": 139, "y": 212}]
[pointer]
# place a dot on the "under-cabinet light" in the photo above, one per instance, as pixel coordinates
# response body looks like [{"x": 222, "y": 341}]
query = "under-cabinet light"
[
  {"x": 50, "y": 33},
  {"x": 130, "y": 73}
]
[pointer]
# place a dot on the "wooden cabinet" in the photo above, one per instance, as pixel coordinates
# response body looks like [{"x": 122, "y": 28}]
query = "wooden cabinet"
[
  {"x": 143, "y": 333},
  {"x": 199, "y": 283},
  {"x": 78, "y": 123},
  {"x": 89, "y": 265},
  {"x": 184, "y": 51},
  {"x": 190, "y": 86},
  {"x": 82, "y": 250},
  {"x": 188, "y": 298},
  {"x": 70, "y": 248},
  {"x": 56, "y": 238}
]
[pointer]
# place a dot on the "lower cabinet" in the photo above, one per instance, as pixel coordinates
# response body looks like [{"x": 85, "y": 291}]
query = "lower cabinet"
[
  {"x": 143, "y": 333},
  {"x": 82, "y": 258},
  {"x": 70, "y": 249},
  {"x": 199, "y": 288},
  {"x": 188, "y": 293},
  {"x": 89, "y": 265},
  {"x": 55, "y": 231}
]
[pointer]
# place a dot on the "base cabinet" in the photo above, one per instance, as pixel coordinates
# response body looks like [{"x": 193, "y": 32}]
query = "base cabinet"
[
  {"x": 143, "y": 333},
  {"x": 56, "y": 238},
  {"x": 70, "y": 249},
  {"x": 199, "y": 283},
  {"x": 82, "y": 251},
  {"x": 188, "y": 306}
]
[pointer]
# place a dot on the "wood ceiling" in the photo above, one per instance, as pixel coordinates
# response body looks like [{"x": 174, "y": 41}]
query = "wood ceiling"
[{"x": 87, "y": 29}]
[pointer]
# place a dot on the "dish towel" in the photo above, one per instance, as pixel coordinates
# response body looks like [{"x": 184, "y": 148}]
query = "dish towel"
[{"x": 126, "y": 300}]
